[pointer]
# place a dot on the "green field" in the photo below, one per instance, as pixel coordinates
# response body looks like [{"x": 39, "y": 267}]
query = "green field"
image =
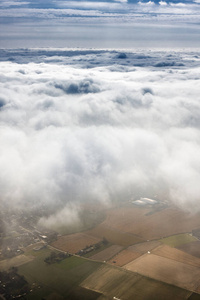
[
  {"x": 77, "y": 293},
  {"x": 178, "y": 240},
  {"x": 71, "y": 263},
  {"x": 43, "y": 252},
  {"x": 194, "y": 296},
  {"x": 62, "y": 278}
]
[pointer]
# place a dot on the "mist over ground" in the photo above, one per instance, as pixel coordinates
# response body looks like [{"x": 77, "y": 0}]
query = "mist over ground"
[{"x": 98, "y": 125}]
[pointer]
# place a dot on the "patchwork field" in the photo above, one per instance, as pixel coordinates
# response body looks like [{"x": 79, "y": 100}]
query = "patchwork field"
[
  {"x": 161, "y": 224},
  {"x": 106, "y": 254},
  {"x": 177, "y": 255},
  {"x": 166, "y": 270},
  {"x": 192, "y": 248},
  {"x": 116, "y": 237},
  {"x": 62, "y": 278},
  {"x": 144, "y": 247},
  {"x": 118, "y": 283},
  {"x": 169, "y": 271},
  {"x": 123, "y": 258},
  {"x": 75, "y": 242}
]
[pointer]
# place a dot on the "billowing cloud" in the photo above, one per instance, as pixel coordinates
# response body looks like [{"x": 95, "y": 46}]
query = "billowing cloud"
[
  {"x": 67, "y": 216},
  {"x": 99, "y": 126},
  {"x": 163, "y": 3}
]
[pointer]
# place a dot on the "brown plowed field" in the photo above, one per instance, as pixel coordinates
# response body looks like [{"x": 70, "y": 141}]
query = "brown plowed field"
[
  {"x": 107, "y": 253},
  {"x": 116, "y": 282},
  {"x": 192, "y": 248},
  {"x": 123, "y": 258},
  {"x": 166, "y": 270},
  {"x": 144, "y": 247},
  {"x": 115, "y": 236},
  {"x": 163, "y": 223},
  {"x": 178, "y": 255},
  {"x": 74, "y": 242}
]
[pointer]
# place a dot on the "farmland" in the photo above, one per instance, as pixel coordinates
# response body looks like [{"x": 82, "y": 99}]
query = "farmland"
[
  {"x": 62, "y": 278},
  {"x": 106, "y": 254},
  {"x": 79, "y": 278},
  {"x": 132, "y": 252},
  {"x": 177, "y": 255},
  {"x": 194, "y": 296},
  {"x": 133, "y": 226},
  {"x": 116, "y": 282},
  {"x": 166, "y": 270},
  {"x": 178, "y": 240},
  {"x": 138, "y": 221},
  {"x": 75, "y": 242},
  {"x": 14, "y": 262},
  {"x": 144, "y": 247},
  {"x": 192, "y": 248},
  {"x": 123, "y": 258},
  {"x": 114, "y": 236}
]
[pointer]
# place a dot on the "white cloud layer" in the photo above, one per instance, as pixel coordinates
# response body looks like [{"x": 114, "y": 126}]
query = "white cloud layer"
[{"x": 77, "y": 125}]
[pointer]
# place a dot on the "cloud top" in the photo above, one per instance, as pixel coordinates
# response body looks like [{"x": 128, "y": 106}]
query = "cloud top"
[{"x": 85, "y": 125}]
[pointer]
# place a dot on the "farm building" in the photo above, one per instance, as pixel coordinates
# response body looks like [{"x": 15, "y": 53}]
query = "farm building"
[{"x": 144, "y": 201}]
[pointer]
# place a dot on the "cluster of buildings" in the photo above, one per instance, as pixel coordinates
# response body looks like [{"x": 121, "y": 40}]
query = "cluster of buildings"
[{"x": 18, "y": 231}]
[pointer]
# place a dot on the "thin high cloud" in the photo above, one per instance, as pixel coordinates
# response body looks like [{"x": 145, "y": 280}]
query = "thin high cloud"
[
  {"x": 99, "y": 126},
  {"x": 5, "y": 4},
  {"x": 113, "y": 24}
]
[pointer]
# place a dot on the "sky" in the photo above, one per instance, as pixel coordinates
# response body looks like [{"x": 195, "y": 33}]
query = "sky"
[{"x": 99, "y": 24}]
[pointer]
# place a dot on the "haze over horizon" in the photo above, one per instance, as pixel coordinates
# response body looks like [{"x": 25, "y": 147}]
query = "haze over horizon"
[{"x": 99, "y": 24}]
